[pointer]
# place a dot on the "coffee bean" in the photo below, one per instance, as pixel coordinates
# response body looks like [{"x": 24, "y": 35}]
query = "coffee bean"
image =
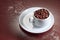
[{"x": 41, "y": 14}]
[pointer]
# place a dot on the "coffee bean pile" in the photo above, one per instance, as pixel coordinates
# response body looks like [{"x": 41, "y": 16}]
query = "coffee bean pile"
[{"x": 41, "y": 14}]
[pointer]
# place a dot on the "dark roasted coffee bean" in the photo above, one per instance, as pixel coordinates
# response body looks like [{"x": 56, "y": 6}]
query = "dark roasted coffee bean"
[{"x": 41, "y": 14}]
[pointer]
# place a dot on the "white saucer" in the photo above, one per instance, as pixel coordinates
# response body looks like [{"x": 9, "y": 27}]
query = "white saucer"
[{"x": 28, "y": 26}]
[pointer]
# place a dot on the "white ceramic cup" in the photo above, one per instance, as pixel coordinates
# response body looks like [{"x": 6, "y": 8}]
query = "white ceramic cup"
[{"x": 41, "y": 22}]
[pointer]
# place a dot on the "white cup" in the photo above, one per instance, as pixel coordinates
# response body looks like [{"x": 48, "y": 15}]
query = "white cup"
[{"x": 40, "y": 22}]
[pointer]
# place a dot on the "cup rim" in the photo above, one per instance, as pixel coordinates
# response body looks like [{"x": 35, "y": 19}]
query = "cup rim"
[{"x": 45, "y": 18}]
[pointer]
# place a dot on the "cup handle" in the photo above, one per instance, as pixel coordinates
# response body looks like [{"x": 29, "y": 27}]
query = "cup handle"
[{"x": 31, "y": 19}]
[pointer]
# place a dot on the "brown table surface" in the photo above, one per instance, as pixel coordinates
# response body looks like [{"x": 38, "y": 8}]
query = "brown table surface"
[{"x": 9, "y": 18}]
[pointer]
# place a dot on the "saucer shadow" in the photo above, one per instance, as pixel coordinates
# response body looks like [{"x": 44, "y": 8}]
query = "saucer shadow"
[{"x": 34, "y": 34}]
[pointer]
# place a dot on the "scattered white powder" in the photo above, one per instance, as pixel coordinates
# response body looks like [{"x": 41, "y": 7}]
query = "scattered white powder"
[{"x": 10, "y": 7}]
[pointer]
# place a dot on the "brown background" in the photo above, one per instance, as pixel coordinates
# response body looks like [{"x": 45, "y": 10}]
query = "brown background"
[{"x": 9, "y": 18}]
